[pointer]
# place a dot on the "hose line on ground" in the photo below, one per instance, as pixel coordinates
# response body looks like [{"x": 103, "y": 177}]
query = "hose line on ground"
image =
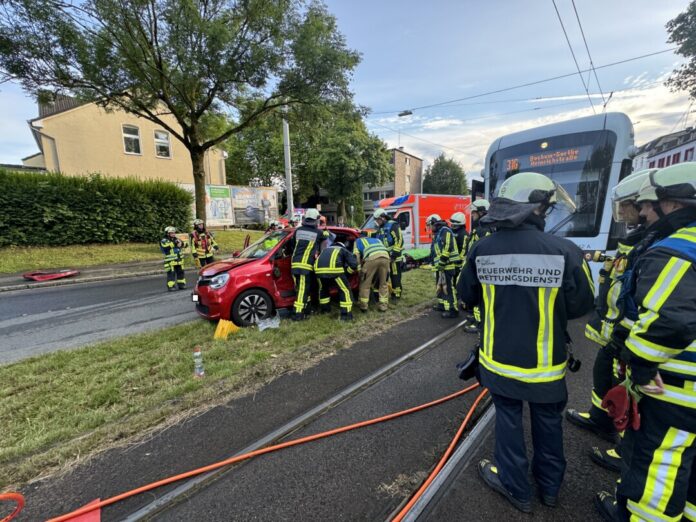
[
  {"x": 400, "y": 516},
  {"x": 256, "y": 453},
  {"x": 12, "y": 497}
]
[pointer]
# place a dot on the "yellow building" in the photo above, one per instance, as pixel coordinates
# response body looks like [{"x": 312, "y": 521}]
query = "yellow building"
[{"x": 78, "y": 138}]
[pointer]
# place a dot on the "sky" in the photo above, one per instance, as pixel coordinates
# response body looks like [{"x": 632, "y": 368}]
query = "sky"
[{"x": 417, "y": 53}]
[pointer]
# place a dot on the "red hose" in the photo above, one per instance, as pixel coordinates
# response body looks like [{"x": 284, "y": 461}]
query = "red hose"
[
  {"x": 12, "y": 497},
  {"x": 440, "y": 464},
  {"x": 262, "y": 451}
]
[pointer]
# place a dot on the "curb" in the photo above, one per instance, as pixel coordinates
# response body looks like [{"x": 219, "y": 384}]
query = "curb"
[{"x": 48, "y": 284}]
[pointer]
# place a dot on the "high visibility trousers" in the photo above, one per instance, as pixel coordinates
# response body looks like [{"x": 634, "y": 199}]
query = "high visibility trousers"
[
  {"x": 395, "y": 277},
  {"x": 377, "y": 269},
  {"x": 603, "y": 380},
  {"x": 657, "y": 468},
  {"x": 175, "y": 274},
  {"x": 345, "y": 295},
  {"x": 447, "y": 296},
  {"x": 303, "y": 284},
  {"x": 548, "y": 463}
]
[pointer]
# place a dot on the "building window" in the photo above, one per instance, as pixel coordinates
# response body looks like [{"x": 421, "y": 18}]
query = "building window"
[
  {"x": 131, "y": 139},
  {"x": 163, "y": 148},
  {"x": 669, "y": 161},
  {"x": 651, "y": 165},
  {"x": 689, "y": 155},
  {"x": 675, "y": 158},
  {"x": 660, "y": 163}
]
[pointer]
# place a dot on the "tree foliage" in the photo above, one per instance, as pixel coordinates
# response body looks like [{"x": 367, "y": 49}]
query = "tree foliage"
[
  {"x": 217, "y": 66},
  {"x": 445, "y": 176},
  {"x": 345, "y": 158},
  {"x": 682, "y": 31}
]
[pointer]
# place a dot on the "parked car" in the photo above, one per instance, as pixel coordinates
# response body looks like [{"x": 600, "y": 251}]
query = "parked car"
[{"x": 256, "y": 281}]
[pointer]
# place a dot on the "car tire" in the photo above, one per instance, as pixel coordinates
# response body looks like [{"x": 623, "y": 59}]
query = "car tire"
[{"x": 251, "y": 306}]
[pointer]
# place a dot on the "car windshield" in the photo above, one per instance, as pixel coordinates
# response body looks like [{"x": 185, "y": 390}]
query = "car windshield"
[{"x": 264, "y": 245}]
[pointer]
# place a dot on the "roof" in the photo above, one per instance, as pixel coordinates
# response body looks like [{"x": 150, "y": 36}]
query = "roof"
[
  {"x": 60, "y": 103},
  {"x": 667, "y": 142},
  {"x": 32, "y": 155},
  {"x": 401, "y": 151}
]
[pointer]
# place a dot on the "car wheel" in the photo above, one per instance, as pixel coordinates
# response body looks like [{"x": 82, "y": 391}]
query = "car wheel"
[{"x": 251, "y": 306}]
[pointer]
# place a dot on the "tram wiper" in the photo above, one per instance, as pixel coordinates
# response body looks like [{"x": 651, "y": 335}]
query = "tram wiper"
[{"x": 563, "y": 222}]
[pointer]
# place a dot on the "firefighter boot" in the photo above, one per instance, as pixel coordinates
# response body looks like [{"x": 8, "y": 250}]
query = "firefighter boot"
[
  {"x": 609, "y": 459},
  {"x": 348, "y": 316},
  {"x": 489, "y": 473},
  {"x": 585, "y": 421}
]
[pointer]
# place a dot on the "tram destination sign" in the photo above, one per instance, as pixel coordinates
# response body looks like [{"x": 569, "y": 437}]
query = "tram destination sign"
[{"x": 548, "y": 158}]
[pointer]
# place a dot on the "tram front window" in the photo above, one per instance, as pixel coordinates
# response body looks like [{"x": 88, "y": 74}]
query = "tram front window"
[{"x": 580, "y": 162}]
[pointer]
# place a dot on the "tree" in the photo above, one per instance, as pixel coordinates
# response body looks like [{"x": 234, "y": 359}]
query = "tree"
[
  {"x": 445, "y": 176},
  {"x": 346, "y": 157},
  {"x": 682, "y": 31},
  {"x": 216, "y": 66}
]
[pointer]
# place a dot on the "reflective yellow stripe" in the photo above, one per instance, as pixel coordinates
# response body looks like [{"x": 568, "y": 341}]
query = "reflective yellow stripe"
[
  {"x": 685, "y": 396},
  {"x": 347, "y": 304},
  {"x": 593, "y": 335},
  {"x": 690, "y": 509},
  {"x": 663, "y": 469},
  {"x": 640, "y": 513},
  {"x": 534, "y": 375},
  {"x": 299, "y": 299},
  {"x": 597, "y": 401},
  {"x": 308, "y": 250},
  {"x": 649, "y": 350},
  {"x": 489, "y": 325},
  {"x": 588, "y": 274},
  {"x": 547, "y": 299},
  {"x": 666, "y": 282}
]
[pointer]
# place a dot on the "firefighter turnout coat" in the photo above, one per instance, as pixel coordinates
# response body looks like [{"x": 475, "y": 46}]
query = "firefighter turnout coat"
[
  {"x": 307, "y": 245},
  {"x": 528, "y": 284}
]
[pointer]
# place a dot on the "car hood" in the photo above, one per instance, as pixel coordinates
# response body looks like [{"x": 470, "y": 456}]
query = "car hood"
[{"x": 224, "y": 265}]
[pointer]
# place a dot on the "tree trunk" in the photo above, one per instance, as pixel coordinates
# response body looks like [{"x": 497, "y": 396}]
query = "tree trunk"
[
  {"x": 342, "y": 209},
  {"x": 197, "y": 157}
]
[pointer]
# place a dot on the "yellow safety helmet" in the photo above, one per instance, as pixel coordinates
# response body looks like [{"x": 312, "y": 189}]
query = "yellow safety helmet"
[
  {"x": 532, "y": 187},
  {"x": 629, "y": 189},
  {"x": 676, "y": 183}
]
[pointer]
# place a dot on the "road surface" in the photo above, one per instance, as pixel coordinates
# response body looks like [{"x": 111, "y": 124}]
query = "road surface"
[{"x": 44, "y": 320}]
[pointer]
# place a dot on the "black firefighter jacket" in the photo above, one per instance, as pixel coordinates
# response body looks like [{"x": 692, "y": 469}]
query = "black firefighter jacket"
[{"x": 528, "y": 284}]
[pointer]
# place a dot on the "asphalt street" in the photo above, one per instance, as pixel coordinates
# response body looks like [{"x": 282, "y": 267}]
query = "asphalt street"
[{"x": 37, "y": 321}]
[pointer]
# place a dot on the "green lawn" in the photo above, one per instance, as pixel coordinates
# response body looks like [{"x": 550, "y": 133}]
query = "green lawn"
[
  {"x": 20, "y": 259},
  {"x": 61, "y": 407}
]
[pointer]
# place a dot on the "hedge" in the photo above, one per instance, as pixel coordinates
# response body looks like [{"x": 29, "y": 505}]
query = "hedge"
[{"x": 53, "y": 209}]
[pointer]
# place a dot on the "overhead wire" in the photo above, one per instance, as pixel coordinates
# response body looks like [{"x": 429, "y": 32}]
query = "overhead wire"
[
  {"x": 577, "y": 65},
  {"x": 587, "y": 48},
  {"x": 528, "y": 84}
]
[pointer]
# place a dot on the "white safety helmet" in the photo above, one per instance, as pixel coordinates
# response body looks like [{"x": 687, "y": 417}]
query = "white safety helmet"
[
  {"x": 532, "y": 187},
  {"x": 432, "y": 219},
  {"x": 311, "y": 216},
  {"x": 380, "y": 213},
  {"x": 628, "y": 189},
  {"x": 479, "y": 205},
  {"x": 170, "y": 230},
  {"x": 675, "y": 183},
  {"x": 458, "y": 219}
]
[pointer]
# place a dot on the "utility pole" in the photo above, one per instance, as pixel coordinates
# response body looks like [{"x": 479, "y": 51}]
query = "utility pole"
[{"x": 288, "y": 169}]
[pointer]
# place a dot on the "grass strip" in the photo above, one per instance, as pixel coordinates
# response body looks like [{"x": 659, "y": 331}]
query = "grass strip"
[
  {"x": 59, "y": 408},
  {"x": 19, "y": 259}
]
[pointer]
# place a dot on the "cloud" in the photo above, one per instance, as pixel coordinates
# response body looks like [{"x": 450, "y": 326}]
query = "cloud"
[{"x": 652, "y": 107}]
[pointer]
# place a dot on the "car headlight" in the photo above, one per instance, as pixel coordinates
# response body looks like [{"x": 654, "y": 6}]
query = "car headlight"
[{"x": 219, "y": 280}]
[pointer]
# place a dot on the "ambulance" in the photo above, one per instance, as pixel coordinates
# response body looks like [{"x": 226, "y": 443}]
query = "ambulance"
[{"x": 411, "y": 211}]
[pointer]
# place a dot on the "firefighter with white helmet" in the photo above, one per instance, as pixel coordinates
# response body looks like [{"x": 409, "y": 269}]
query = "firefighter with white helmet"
[
  {"x": 203, "y": 243},
  {"x": 528, "y": 284},
  {"x": 477, "y": 209},
  {"x": 445, "y": 259},
  {"x": 171, "y": 246},
  {"x": 657, "y": 478},
  {"x": 458, "y": 226}
]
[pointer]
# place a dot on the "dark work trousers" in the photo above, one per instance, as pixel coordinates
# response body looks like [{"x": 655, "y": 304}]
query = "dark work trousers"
[
  {"x": 395, "y": 277},
  {"x": 548, "y": 463},
  {"x": 206, "y": 260},
  {"x": 657, "y": 465},
  {"x": 603, "y": 380}
]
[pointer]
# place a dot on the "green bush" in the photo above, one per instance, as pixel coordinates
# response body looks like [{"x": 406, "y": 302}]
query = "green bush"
[{"x": 53, "y": 209}]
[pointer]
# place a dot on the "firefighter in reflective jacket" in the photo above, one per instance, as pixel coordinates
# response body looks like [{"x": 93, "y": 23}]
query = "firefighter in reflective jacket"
[
  {"x": 608, "y": 326},
  {"x": 333, "y": 267},
  {"x": 202, "y": 243},
  {"x": 445, "y": 260},
  {"x": 171, "y": 246},
  {"x": 478, "y": 209},
  {"x": 528, "y": 284},
  {"x": 373, "y": 259},
  {"x": 658, "y": 473},
  {"x": 308, "y": 240},
  {"x": 458, "y": 226},
  {"x": 389, "y": 233}
]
